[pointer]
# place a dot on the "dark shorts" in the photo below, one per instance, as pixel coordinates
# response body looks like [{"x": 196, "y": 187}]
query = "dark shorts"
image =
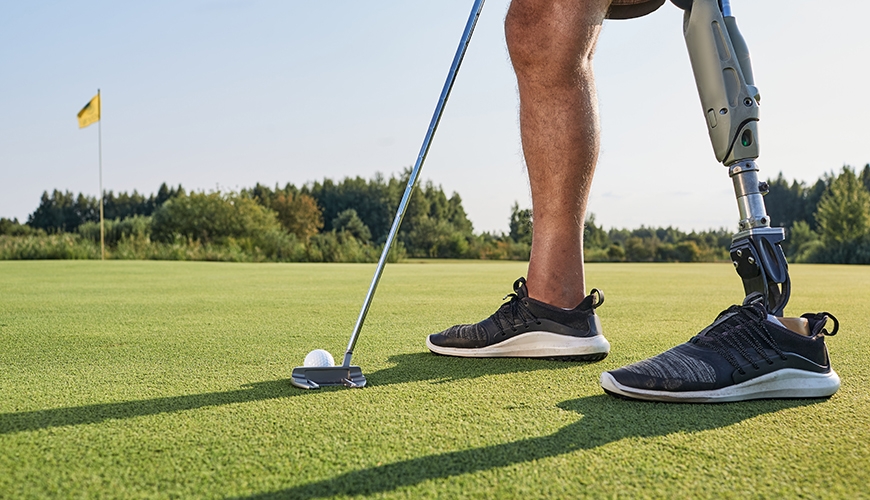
[{"x": 629, "y": 9}]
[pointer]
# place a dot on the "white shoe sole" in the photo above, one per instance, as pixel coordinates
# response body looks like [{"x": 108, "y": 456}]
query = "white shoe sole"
[
  {"x": 781, "y": 384},
  {"x": 534, "y": 345}
]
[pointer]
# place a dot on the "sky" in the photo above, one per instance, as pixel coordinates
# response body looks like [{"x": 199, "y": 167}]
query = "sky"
[{"x": 222, "y": 94}]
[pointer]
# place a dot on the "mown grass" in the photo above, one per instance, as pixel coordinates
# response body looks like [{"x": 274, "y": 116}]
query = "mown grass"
[{"x": 170, "y": 379}]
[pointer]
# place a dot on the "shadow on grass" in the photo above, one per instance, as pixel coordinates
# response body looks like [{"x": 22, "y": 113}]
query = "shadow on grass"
[
  {"x": 408, "y": 368},
  {"x": 604, "y": 420},
  {"x": 92, "y": 414},
  {"x": 420, "y": 367}
]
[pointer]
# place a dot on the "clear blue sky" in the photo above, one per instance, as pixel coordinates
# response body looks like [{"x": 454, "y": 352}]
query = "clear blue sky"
[{"x": 226, "y": 93}]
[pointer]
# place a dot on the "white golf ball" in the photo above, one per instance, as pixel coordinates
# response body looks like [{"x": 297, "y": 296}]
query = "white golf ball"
[{"x": 318, "y": 357}]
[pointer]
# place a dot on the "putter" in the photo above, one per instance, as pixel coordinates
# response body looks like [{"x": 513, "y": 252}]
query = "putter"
[{"x": 311, "y": 377}]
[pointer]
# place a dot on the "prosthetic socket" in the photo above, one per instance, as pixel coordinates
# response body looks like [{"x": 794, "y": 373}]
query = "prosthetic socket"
[{"x": 723, "y": 74}]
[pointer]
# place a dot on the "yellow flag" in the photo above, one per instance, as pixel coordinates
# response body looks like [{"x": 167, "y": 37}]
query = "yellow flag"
[{"x": 90, "y": 114}]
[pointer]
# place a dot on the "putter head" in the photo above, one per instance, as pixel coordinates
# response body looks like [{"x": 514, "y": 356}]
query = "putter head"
[{"x": 313, "y": 377}]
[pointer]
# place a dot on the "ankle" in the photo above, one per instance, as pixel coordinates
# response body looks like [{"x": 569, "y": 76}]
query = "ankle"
[{"x": 557, "y": 295}]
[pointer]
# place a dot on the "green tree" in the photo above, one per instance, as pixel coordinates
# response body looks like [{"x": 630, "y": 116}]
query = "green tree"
[
  {"x": 785, "y": 202},
  {"x": 348, "y": 221},
  {"x": 688, "y": 251},
  {"x": 165, "y": 193},
  {"x": 865, "y": 177},
  {"x": 125, "y": 205},
  {"x": 11, "y": 227},
  {"x": 212, "y": 217},
  {"x": 456, "y": 215},
  {"x": 844, "y": 210},
  {"x": 436, "y": 239},
  {"x": 63, "y": 211},
  {"x": 521, "y": 224},
  {"x": 788, "y": 203},
  {"x": 802, "y": 242},
  {"x": 639, "y": 249},
  {"x": 594, "y": 236},
  {"x": 375, "y": 201},
  {"x": 615, "y": 253}
]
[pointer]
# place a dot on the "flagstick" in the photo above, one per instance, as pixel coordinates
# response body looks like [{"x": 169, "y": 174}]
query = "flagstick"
[{"x": 100, "y": 142}]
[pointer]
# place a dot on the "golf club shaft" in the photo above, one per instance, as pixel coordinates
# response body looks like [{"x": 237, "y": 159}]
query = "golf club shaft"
[{"x": 412, "y": 180}]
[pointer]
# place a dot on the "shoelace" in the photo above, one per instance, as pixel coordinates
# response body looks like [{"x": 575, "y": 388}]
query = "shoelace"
[
  {"x": 514, "y": 309},
  {"x": 749, "y": 331}
]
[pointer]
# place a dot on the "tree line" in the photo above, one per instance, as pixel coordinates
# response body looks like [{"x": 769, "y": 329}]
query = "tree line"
[
  {"x": 328, "y": 221},
  {"x": 827, "y": 221},
  {"x": 348, "y": 221}
]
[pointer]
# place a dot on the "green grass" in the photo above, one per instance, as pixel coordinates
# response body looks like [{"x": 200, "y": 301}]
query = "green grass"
[{"x": 170, "y": 379}]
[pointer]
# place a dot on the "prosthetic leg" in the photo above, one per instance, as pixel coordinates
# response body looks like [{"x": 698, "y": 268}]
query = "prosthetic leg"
[{"x": 723, "y": 73}]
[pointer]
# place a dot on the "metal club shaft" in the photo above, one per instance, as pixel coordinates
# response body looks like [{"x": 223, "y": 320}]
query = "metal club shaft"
[{"x": 412, "y": 180}]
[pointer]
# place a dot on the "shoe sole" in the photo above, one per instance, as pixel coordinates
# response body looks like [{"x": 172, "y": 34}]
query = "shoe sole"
[
  {"x": 544, "y": 345},
  {"x": 788, "y": 383}
]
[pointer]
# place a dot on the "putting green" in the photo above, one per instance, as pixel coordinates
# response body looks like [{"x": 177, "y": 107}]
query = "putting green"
[{"x": 131, "y": 379}]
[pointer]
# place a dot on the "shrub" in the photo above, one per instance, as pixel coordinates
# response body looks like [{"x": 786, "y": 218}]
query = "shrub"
[
  {"x": 212, "y": 218},
  {"x": 136, "y": 227},
  {"x": 437, "y": 239},
  {"x": 52, "y": 246}
]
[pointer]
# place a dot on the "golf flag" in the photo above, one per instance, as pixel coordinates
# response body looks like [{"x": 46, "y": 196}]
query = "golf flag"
[{"x": 90, "y": 114}]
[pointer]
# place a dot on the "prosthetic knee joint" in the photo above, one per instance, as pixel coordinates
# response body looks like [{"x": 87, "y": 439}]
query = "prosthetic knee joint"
[{"x": 723, "y": 73}]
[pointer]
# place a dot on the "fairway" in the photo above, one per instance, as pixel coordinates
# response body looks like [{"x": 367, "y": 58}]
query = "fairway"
[{"x": 125, "y": 379}]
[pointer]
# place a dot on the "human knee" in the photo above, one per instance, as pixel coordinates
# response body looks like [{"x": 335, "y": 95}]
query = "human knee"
[{"x": 553, "y": 36}]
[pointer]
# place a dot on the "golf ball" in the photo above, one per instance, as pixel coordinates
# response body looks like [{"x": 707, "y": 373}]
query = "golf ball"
[{"x": 319, "y": 357}]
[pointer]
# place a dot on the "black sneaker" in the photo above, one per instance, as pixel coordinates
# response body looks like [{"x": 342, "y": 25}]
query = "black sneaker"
[
  {"x": 527, "y": 328},
  {"x": 744, "y": 354}
]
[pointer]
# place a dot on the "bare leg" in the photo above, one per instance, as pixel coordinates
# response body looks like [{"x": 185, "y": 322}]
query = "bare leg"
[{"x": 551, "y": 44}]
